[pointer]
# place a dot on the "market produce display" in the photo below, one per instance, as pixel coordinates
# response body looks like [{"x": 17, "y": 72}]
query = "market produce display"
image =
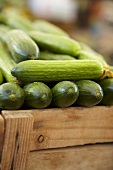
[{"x": 41, "y": 66}]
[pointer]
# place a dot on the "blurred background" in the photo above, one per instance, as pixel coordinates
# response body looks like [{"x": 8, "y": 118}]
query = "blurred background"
[{"x": 89, "y": 21}]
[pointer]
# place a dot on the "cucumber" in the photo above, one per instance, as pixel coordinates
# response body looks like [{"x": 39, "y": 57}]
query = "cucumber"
[
  {"x": 21, "y": 46},
  {"x": 6, "y": 64},
  {"x": 55, "y": 43},
  {"x": 51, "y": 70},
  {"x": 37, "y": 95},
  {"x": 46, "y": 26},
  {"x": 15, "y": 20},
  {"x": 88, "y": 55},
  {"x": 1, "y": 77},
  {"x": 90, "y": 93},
  {"x": 54, "y": 56},
  {"x": 107, "y": 86},
  {"x": 64, "y": 93},
  {"x": 11, "y": 96}
]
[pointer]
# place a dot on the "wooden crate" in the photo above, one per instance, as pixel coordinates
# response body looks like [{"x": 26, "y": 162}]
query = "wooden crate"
[{"x": 57, "y": 139}]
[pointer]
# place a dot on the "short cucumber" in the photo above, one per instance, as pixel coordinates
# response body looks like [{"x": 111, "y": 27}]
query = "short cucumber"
[
  {"x": 55, "y": 43},
  {"x": 51, "y": 70},
  {"x": 6, "y": 64},
  {"x": 11, "y": 96},
  {"x": 54, "y": 56},
  {"x": 107, "y": 86},
  {"x": 1, "y": 77},
  {"x": 37, "y": 95},
  {"x": 46, "y": 26},
  {"x": 21, "y": 46},
  {"x": 90, "y": 93},
  {"x": 64, "y": 93}
]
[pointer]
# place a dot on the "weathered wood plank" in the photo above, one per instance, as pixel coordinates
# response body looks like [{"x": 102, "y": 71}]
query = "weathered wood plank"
[
  {"x": 16, "y": 140},
  {"x": 93, "y": 157},
  {"x": 55, "y": 128}
]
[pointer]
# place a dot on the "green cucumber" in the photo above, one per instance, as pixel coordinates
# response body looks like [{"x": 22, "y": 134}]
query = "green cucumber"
[
  {"x": 15, "y": 20},
  {"x": 6, "y": 64},
  {"x": 55, "y": 43},
  {"x": 89, "y": 55},
  {"x": 1, "y": 77},
  {"x": 46, "y": 26},
  {"x": 37, "y": 95},
  {"x": 51, "y": 70},
  {"x": 54, "y": 56},
  {"x": 107, "y": 86},
  {"x": 21, "y": 46},
  {"x": 11, "y": 96},
  {"x": 64, "y": 93},
  {"x": 90, "y": 93}
]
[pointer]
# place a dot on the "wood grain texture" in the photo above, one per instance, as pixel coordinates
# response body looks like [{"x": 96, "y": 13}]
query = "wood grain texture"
[
  {"x": 1, "y": 133},
  {"x": 54, "y": 128},
  {"x": 93, "y": 157},
  {"x": 71, "y": 126},
  {"x": 16, "y": 140}
]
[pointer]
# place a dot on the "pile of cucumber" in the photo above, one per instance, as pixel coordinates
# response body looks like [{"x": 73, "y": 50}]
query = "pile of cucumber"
[{"x": 41, "y": 66}]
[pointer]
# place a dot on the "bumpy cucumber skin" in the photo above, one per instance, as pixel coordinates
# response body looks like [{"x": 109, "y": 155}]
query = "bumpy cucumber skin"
[
  {"x": 107, "y": 86},
  {"x": 53, "y": 56},
  {"x": 46, "y": 71},
  {"x": 55, "y": 43},
  {"x": 64, "y": 93},
  {"x": 21, "y": 46},
  {"x": 11, "y": 96},
  {"x": 37, "y": 95},
  {"x": 90, "y": 93},
  {"x": 1, "y": 77}
]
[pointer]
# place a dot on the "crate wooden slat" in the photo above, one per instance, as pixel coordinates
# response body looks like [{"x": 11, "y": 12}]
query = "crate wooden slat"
[
  {"x": 16, "y": 140},
  {"x": 71, "y": 126},
  {"x": 89, "y": 157}
]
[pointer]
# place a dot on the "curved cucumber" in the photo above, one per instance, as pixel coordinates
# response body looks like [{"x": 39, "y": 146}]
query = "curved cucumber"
[
  {"x": 90, "y": 93},
  {"x": 37, "y": 95},
  {"x": 55, "y": 43},
  {"x": 107, "y": 86},
  {"x": 21, "y": 46},
  {"x": 45, "y": 71},
  {"x": 11, "y": 96},
  {"x": 64, "y": 93}
]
